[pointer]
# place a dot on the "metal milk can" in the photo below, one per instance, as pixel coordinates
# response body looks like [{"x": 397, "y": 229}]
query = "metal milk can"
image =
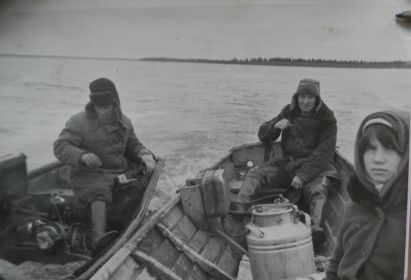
[{"x": 279, "y": 245}]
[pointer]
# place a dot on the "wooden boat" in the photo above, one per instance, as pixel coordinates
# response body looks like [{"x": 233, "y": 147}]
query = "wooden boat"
[
  {"x": 196, "y": 236},
  {"x": 41, "y": 198},
  {"x": 404, "y": 16}
]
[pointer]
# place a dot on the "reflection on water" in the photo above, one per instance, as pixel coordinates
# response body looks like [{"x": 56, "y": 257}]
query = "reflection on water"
[{"x": 189, "y": 114}]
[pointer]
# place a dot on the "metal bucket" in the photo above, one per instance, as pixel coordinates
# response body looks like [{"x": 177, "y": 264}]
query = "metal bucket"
[{"x": 279, "y": 245}]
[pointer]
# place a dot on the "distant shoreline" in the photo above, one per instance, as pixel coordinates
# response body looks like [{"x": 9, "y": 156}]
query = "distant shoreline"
[
  {"x": 276, "y": 61},
  {"x": 297, "y": 62}
]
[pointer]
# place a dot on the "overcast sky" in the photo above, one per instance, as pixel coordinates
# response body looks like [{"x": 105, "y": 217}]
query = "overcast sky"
[{"x": 215, "y": 29}]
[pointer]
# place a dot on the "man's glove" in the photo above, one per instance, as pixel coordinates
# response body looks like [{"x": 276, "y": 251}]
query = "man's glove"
[
  {"x": 283, "y": 124},
  {"x": 150, "y": 163},
  {"x": 90, "y": 160},
  {"x": 297, "y": 183}
]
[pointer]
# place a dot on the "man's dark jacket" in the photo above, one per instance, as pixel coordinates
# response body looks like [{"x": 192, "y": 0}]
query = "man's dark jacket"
[{"x": 310, "y": 141}]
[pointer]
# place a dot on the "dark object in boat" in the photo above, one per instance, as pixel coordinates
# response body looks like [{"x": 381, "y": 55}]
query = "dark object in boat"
[
  {"x": 404, "y": 16},
  {"x": 41, "y": 223}
]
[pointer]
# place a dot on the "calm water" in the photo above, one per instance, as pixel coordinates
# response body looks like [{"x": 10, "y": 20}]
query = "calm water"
[{"x": 189, "y": 114}]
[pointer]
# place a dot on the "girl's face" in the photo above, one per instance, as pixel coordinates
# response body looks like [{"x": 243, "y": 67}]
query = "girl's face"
[{"x": 381, "y": 163}]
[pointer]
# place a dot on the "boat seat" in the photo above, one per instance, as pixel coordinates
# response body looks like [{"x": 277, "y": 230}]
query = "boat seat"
[
  {"x": 215, "y": 192},
  {"x": 13, "y": 177}
]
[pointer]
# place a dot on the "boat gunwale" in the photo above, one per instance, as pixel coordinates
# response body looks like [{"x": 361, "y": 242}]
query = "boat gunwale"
[
  {"x": 115, "y": 260},
  {"x": 132, "y": 227}
]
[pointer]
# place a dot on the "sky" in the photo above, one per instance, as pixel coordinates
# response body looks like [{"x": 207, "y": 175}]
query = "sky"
[{"x": 225, "y": 29}]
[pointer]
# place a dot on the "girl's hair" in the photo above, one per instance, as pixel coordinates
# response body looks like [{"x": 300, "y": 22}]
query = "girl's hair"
[{"x": 383, "y": 134}]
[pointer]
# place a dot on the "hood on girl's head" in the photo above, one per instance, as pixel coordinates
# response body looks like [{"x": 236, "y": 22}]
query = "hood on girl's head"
[{"x": 396, "y": 121}]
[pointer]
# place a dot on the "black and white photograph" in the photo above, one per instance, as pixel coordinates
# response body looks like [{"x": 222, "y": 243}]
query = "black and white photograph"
[{"x": 205, "y": 139}]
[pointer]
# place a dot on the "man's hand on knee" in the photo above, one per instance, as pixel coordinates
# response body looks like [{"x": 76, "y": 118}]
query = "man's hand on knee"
[{"x": 297, "y": 183}]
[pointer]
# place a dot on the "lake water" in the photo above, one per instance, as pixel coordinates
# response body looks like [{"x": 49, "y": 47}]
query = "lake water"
[{"x": 189, "y": 114}]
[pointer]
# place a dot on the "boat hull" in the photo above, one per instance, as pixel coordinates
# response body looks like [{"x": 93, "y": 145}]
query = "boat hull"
[
  {"x": 189, "y": 240},
  {"x": 42, "y": 197}
]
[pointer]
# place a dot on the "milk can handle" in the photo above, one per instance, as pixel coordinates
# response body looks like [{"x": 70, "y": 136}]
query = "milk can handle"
[
  {"x": 255, "y": 229},
  {"x": 304, "y": 218},
  {"x": 281, "y": 199}
]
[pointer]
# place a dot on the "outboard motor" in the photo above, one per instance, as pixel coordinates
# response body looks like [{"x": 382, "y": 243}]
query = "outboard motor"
[
  {"x": 48, "y": 235},
  {"x": 59, "y": 209},
  {"x": 51, "y": 236}
]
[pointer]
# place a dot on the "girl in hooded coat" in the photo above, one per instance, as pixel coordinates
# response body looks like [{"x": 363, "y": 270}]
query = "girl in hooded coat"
[{"x": 371, "y": 242}]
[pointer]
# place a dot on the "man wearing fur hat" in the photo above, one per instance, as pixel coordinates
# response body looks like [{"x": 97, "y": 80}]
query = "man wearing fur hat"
[
  {"x": 100, "y": 144},
  {"x": 308, "y": 132}
]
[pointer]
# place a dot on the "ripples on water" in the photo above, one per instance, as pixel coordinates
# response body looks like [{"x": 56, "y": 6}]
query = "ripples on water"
[{"x": 189, "y": 114}]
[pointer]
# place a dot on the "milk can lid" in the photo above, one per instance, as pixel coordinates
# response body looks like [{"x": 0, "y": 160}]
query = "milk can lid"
[{"x": 270, "y": 209}]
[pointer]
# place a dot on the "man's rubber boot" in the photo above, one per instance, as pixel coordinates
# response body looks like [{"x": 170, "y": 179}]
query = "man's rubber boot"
[
  {"x": 317, "y": 223},
  {"x": 98, "y": 220},
  {"x": 249, "y": 189}
]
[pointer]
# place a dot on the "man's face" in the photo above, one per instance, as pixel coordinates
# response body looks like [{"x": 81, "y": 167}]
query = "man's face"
[
  {"x": 104, "y": 113},
  {"x": 306, "y": 102}
]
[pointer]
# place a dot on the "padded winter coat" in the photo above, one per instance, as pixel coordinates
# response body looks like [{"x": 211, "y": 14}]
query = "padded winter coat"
[
  {"x": 115, "y": 144},
  {"x": 371, "y": 241},
  {"x": 310, "y": 141}
]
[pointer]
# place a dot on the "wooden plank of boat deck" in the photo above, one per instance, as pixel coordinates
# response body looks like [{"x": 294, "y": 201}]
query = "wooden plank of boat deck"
[
  {"x": 229, "y": 261},
  {"x": 184, "y": 265},
  {"x": 185, "y": 229},
  {"x": 148, "y": 245},
  {"x": 144, "y": 275},
  {"x": 167, "y": 254},
  {"x": 156, "y": 245},
  {"x": 197, "y": 273},
  {"x": 128, "y": 270},
  {"x": 211, "y": 251},
  {"x": 173, "y": 217},
  {"x": 152, "y": 242}
]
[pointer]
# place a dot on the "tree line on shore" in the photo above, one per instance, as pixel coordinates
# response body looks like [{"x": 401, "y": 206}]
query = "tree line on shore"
[{"x": 278, "y": 61}]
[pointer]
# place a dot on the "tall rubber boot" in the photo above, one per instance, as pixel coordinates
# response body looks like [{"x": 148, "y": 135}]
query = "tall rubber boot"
[
  {"x": 317, "y": 223},
  {"x": 99, "y": 223}
]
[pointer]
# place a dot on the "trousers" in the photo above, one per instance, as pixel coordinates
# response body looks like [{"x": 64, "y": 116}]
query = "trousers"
[{"x": 273, "y": 175}]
